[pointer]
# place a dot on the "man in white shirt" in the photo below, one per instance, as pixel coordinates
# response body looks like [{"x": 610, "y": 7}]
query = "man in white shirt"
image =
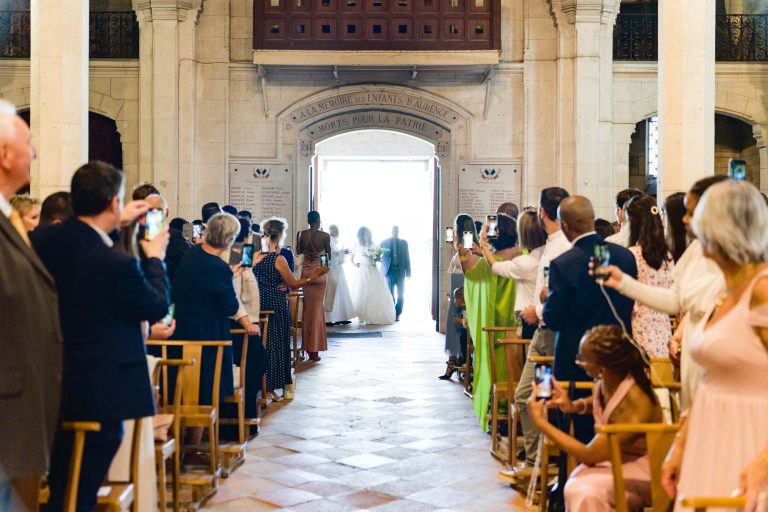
[
  {"x": 543, "y": 342},
  {"x": 622, "y": 198}
]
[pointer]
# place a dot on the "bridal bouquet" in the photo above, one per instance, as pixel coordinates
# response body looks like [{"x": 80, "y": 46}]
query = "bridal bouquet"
[{"x": 375, "y": 253}]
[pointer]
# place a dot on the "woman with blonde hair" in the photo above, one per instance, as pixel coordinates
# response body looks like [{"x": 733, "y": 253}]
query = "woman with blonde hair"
[{"x": 29, "y": 209}]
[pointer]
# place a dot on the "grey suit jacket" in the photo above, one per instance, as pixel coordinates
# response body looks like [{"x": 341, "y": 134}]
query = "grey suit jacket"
[{"x": 30, "y": 358}]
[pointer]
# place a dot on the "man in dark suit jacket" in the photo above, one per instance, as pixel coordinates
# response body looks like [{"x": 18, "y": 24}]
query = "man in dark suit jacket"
[
  {"x": 30, "y": 338},
  {"x": 575, "y": 303},
  {"x": 396, "y": 266},
  {"x": 104, "y": 294}
]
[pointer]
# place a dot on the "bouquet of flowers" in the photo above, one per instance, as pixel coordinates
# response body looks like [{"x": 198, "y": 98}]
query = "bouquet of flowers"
[{"x": 374, "y": 253}]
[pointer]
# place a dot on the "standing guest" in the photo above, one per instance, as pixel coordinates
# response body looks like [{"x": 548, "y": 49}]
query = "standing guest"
[
  {"x": 56, "y": 207},
  {"x": 523, "y": 268},
  {"x": 651, "y": 328},
  {"x": 575, "y": 304},
  {"x": 204, "y": 295},
  {"x": 338, "y": 302},
  {"x": 463, "y": 223},
  {"x": 490, "y": 302},
  {"x": 696, "y": 283},
  {"x": 622, "y": 237},
  {"x": 543, "y": 341},
  {"x": 674, "y": 230},
  {"x": 725, "y": 431},
  {"x": 396, "y": 266},
  {"x": 457, "y": 316},
  {"x": 29, "y": 209},
  {"x": 228, "y": 208},
  {"x": 622, "y": 394},
  {"x": 209, "y": 210},
  {"x": 312, "y": 243},
  {"x": 177, "y": 246},
  {"x": 604, "y": 228},
  {"x": 245, "y": 215},
  {"x": 104, "y": 294},
  {"x": 143, "y": 190},
  {"x": 255, "y": 229},
  {"x": 271, "y": 272},
  {"x": 30, "y": 338}
]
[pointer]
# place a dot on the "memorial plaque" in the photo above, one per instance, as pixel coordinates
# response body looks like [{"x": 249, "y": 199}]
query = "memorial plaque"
[
  {"x": 264, "y": 190},
  {"x": 482, "y": 188}
]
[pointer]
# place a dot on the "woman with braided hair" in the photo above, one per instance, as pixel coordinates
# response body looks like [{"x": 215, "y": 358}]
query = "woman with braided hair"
[{"x": 622, "y": 394}]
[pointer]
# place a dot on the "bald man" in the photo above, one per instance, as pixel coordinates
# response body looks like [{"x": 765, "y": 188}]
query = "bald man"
[
  {"x": 575, "y": 304},
  {"x": 30, "y": 338}
]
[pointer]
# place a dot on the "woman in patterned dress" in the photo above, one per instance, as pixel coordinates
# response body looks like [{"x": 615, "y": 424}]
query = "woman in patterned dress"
[
  {"x": 651, "y": 328},
  {"x": 271, "y": 272}
]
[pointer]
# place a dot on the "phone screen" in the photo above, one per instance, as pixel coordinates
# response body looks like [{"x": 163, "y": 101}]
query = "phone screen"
[
  {"x": 542, "y": 372},
  {"x": 247, "y": 259},
  {"x": 154, "y": 223},
  {"x": 197, "y": 231},
  {"x": 468, "y": 239},
  {"x": 167, "y": 319},
  {"x": 602, "y": 259},
  {"x": 737, "y": 169},
  {"x": 264, "y": 244},
  {"x": 449, "y": 235},
  {"x": 493, "y": 226},
  {"x": 323, "y": 260}
]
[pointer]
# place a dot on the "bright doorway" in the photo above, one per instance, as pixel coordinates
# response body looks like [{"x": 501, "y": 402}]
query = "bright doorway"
[{"x": 378, "y": 179}]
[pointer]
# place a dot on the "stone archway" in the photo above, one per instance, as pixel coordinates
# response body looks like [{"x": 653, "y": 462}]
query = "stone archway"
[{"x": 395, "y": 108}]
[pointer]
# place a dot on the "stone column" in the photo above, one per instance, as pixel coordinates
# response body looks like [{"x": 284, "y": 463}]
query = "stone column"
[
  {"x": 59, "y": 92},
  {"x": 686, "y": 93},
  {"x": 758, "y": 132},
  {"x": 166, "y": 46}
]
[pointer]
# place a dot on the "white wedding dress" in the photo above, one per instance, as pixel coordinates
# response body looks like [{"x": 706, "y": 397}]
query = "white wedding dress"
[
  {"x": 370, "y": 294},
  {"x": 338, "y": 300}
]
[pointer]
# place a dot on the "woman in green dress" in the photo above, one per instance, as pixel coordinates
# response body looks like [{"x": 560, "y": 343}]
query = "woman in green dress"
[{"x": 490, "y": 301}]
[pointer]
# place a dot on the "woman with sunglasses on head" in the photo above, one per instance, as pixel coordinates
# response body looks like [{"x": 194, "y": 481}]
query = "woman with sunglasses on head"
[{"x": 622, "y": 394}]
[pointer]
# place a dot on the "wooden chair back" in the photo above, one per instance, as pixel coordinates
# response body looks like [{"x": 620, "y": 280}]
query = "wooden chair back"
[
  {"x": 80, "y": 428},
  {"x": 264, "y": 326},
  {"x": 666, "y": 386},
  {"x": 243, "y": 358},
  {"x": 514, "y": 349},
  {"x": 659, "y": 438},
  {"x": 702, "y": 504},
  {"x": 491, "y": 333}
]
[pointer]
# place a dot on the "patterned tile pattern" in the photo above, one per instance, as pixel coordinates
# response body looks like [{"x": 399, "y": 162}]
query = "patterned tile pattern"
[{"x": 371, "y": 428}]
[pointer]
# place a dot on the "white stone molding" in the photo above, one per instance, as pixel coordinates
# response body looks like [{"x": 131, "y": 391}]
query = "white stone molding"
[{"x": 177, "y": 10}]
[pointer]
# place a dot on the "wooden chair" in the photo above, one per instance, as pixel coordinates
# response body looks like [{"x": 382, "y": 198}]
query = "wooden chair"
[
  {"x": 235, "y": 453},
  {"x": 172, "y": 447},
  {"x": 295, "y": 303},
  {"x": 663, "y": 380},
  {"x": 192, "y": 414},
  {"x": 264, "y": 326},
  {"x": 702, "y": 504},
  {"x": 659, "y": 438},
  {"x": 122, "y": 495},
  {"x": 513, "y": 346},
  {"x": 80, "y": 428}
]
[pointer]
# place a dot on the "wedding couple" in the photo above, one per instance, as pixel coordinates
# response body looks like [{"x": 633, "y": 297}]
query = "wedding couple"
[{"x": 372, "y": 291}]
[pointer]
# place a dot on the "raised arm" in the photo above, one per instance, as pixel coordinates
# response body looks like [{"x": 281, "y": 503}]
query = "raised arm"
[{"x": 285, "y": 272}]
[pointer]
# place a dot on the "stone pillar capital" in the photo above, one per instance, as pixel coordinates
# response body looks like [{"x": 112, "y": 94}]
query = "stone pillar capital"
[
  {"x": 178, "y": 10},
  {"x": 586, "y": 11},
  {"x": 759, "y": 132}
]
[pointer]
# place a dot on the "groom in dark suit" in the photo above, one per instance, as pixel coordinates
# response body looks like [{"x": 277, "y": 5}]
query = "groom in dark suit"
[
  {"x": 575, "y": 304},
  {"x": 396, "y": 266}
]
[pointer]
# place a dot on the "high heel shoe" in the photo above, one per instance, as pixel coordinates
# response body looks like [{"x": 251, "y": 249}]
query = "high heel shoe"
[
  {"x": 448, "y": 373},
  {"x": 314, "y": 356}
]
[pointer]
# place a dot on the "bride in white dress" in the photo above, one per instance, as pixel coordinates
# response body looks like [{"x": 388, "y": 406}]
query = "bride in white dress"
[
  {"x": 338, "y": 301},
  {"x": 370, "y": 294}
]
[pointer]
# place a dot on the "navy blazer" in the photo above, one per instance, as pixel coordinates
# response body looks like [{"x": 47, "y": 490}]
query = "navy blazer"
[
  {"x": 104, "y": 295},
  {"x": 404, "y": 258},
  {"x": 575, "y": 303}
]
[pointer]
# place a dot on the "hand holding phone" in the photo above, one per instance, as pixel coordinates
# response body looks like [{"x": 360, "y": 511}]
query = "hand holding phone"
[
  {"x": 167, "y": 319},
  {"x": 542, "y": 374},
  {"x": 601, "y": 260},
  {"x": 247, "y": 259},
  {"x": 154, "y": 223}
]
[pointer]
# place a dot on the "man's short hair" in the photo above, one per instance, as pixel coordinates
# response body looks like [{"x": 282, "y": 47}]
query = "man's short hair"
[
  {"x": 625, "y": 195},
  {"x": 177, "y": 223},
  {"x": 550, "y": 199},
  {"x": 313, "y": 217},
  {"x": 141, "y": 192},
  {"x": 245, "y": 214},
  {"x": 56, "y": 207},
  {"x": 94, "y": 186},
  {"x": 209, "y": 210},
  {"x": 228, "y": 208}
]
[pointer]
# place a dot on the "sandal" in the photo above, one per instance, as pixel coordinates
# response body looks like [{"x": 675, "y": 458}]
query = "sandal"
[{"x": 274, "y": 397}]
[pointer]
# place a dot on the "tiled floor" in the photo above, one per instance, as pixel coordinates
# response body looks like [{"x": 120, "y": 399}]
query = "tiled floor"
[{"x": 371, "y": 428}]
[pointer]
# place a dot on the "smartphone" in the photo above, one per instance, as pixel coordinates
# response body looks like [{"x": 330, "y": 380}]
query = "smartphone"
[
  {"x": 492, "y": 221},
  {"x": 323, "y": 260},
  {"x": 737, "y": 169},
  {"x": 197, "y": 230},
  {"x": 265, "y": 244},
  {"x": 167, "y": 319},
  {"x": 542, "y": 374},
  {"x": 236, "y": 253},
  {"x": 468, "y": 240},
  {"x": 247, "y": 258},
  {"x": 546, "y": 276},
  {"x": 601, "y": 259},
  {"x": 187, "y": 231},
  {"x": 154, "y": 223},
  {"x": 449, "y": 235}
]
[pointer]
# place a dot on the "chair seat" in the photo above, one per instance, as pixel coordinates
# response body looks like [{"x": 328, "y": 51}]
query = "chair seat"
[
  {"x": 164, "y": 449},
  {"x": 120, "y": 498}
]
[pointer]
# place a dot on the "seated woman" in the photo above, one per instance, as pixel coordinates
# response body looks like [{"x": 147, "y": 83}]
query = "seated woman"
[{"x": 622, "y": 394}]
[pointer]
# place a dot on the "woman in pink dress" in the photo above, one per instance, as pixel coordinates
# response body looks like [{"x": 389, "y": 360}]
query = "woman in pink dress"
[
  {"x": 651, "y": 328},
  {"x": 727, "y": 428},
  {"x": 622, "y": 394},
  {"x": 313, "y": 243}
]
